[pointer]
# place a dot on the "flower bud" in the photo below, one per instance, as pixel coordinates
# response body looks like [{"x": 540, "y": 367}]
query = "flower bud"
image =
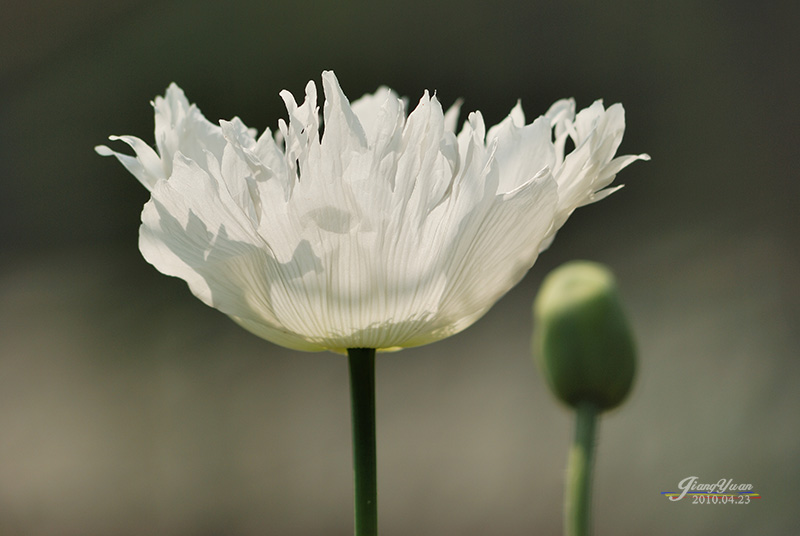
[{"x": 582, "y": 343}]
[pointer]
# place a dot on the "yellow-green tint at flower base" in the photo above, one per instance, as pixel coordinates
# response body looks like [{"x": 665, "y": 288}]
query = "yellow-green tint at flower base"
[{"x": 582, "y": 342}]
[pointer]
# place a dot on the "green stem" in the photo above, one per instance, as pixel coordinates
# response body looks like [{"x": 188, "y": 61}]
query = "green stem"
[
  {"x": 577, "y": 520},
  {"x": 362, "y": 402}
]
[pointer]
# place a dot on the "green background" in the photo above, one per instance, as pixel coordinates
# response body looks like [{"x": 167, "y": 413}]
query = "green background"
[{"x": 129, "y": 407}]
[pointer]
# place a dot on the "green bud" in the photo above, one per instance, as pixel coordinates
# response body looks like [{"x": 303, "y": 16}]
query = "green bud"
[{"x": 582, "y": 343}]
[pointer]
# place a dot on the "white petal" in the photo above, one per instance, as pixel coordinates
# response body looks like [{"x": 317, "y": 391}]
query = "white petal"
[
  {"x": 180, "y": 127},
  {"x": 425, "y": 172},
  {"x": 522, "y": 151},
  {"x": 381, "y": 232},
  {"x": 343, "y": 131},
  {"x": 369, "y": 109},
  {"x": 515, "y": 118},
  {"x": 451, "y": 116},
  {"x": 495, "y": 248},
  {"x": 621, "y": 162},
  {"x": 582, "y": 174},
  {"x": 561, "y": 111},
  {"x": 145, "y": 166},
  {"x": 193, "y": 230}
]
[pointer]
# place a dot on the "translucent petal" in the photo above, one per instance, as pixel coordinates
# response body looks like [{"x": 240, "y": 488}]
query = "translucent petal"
[
  {"x": 193, "y": 230},
  {"x": 145, "y": 166},
  {"x": 375, "y": 230},
  {"x": 451, "y": 116},
  {"x": 369, "y": 110},
  {"x": 496, "y": 245},
  {"x": 180, "y": 127},
  {"x": 522, "y": 151}
]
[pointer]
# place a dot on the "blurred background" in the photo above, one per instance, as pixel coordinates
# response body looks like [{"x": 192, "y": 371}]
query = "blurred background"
[{"x": 129, "y": 407}]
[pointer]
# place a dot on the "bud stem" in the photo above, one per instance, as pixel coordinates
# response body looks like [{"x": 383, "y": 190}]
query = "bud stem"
[
  {"x": 362, "y": 403},
  {"x": 577, "y": 518}
]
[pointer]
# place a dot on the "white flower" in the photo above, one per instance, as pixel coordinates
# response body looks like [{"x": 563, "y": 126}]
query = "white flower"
[{"x": 385, "y": 231}]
